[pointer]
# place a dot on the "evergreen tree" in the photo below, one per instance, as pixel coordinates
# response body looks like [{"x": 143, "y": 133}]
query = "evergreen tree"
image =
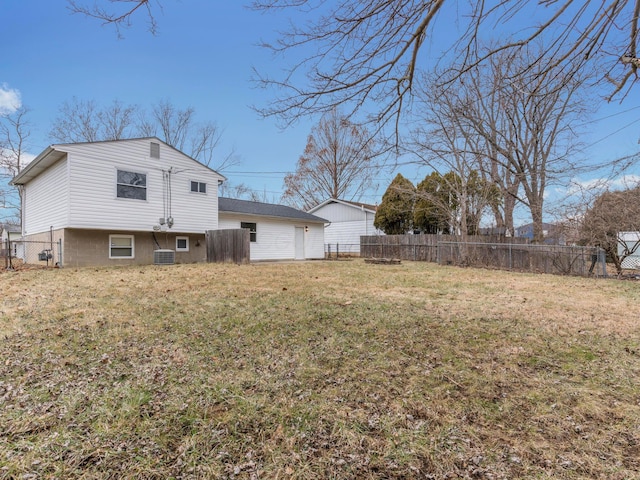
[
  {"x": 395, "y": 213},
  {"x": 433, "y": 208}
]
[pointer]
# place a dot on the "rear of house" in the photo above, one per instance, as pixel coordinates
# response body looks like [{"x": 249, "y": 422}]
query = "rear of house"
[{"x": 118, "y": 202}]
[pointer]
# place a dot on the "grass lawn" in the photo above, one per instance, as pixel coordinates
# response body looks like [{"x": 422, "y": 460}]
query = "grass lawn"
[{"x": 311, "y": 370}]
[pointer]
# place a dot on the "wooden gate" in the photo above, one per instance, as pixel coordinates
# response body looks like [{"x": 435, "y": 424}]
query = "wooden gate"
[{"x": 228, "y": 246}]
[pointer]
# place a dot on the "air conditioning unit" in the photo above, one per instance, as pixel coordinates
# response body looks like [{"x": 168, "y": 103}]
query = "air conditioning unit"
[{"x": 164, "y": 257}]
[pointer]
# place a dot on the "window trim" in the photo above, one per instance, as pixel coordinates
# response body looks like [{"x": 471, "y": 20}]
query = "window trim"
[
  {"x": 182, "y": 237},
  {"x": 120, "y": 257},
  {"x": 199, "y": 187},
  {"x": 146, "y": 185},
  {"x": 253, "y": 230}
]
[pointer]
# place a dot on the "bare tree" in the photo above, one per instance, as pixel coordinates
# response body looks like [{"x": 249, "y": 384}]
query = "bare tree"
[
  {"x": 121, "y": 17},
  {"x": 442, "y": 142},
  {"x": 86, "y": 121},
  {"x": 518, "y": 127},
  {"x": 367, "y": 52},
  {"x": 338, "y": 162},
  {"x": 612, "y": 222},
  {"x": 14, "y": 136},
  {"x": 370, "y": 51}
]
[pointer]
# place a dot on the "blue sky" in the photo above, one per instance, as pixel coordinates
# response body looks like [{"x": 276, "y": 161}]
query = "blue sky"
[{"x": 202, "y": 56}]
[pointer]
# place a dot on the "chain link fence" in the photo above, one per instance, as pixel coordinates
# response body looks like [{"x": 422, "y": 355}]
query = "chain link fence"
[
  {"x": 17, "y": 254},
  {"x": 341, "y": 250}
]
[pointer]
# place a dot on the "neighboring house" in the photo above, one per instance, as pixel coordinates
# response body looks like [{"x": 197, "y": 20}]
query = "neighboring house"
[
  {"x": 277, "y": 232},
  {"x": 11, "y": 233},
  {"x": 116, "y": 202},
  {"x": 629, "y": 242},
  {"x": 553, "y": 235},
  {"x": 349, "y": 221}
]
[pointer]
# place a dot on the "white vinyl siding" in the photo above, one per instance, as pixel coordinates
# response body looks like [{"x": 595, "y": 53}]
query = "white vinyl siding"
[
  {"x": 94, "y": 204},
  {"x": 348, "y": 223},
  {"x": 46, "y": 200},
  {"x": 275, "y": 239}
]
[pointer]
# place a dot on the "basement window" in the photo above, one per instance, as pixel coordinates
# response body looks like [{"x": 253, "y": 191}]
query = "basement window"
[
  {"x": 252, "y": 230},
  {"x": 121, "y": 246},
  {"x": 182, "y": 244}
]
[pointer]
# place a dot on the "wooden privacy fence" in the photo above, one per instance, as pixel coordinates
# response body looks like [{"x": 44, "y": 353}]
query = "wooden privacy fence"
[
  {"x": 506, "y": 254},
  {"x": 228, "y": 246},
  {"x": 422, "y": 247}
]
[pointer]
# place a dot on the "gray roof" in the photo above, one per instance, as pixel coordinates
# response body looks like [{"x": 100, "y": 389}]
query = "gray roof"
[{"x": 245, "y": 207}]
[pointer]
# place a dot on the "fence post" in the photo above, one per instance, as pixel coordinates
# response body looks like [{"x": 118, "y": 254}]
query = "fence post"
[
  {"x": 10, "y": 258},
  {"x": 59, "y": 253},
  {"x": 603, "y": 256},
  {"x": 329, "y": 250},
  {"x": 337, "y": 250},
  {"x": 510, "y": 260}
]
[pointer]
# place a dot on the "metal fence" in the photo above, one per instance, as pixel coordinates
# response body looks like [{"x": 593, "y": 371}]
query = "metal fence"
[
  {"x": 337, "y": 250},
  {"x": 31, "y": 253}
]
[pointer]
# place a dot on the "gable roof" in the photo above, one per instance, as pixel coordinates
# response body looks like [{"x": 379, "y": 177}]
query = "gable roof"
[
  {"x": 359, "y": 205},
  {"x": 53, "y": 153},
  {"x": 246, "y": 207}
]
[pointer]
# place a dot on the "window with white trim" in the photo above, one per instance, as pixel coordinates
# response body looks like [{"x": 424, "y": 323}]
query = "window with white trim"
[
  {"x": 121, "y": 246},
  {"x": 198, "y": 187},
  {"x": 182, "y": 244},
  {"x": 132, "y": 185},
  {"x": 253, "y": 230}
]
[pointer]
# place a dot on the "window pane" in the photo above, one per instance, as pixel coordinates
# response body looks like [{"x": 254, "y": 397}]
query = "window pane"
[
  {"x": 121, "y": 241},
  {"x": 181, "y": 243},
  {"x": 121, "y": 252},
  {"x": 194, "y": 186},
  {"x": 252, "y": 230},
  {"x": 132, "y": 178},
  {"x": 126, "y": 191},
  {"x": 203, "y": 188}
]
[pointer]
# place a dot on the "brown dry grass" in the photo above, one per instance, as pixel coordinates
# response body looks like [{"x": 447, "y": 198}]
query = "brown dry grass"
[{"x": 317, "y": 370}]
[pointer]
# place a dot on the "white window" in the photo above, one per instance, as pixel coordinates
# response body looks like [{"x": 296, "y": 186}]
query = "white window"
[
  {"x": 132, "y": 185},
  {"x": 182, "y": 244},
  {"x": 198, "y": 187},
  {"x": 121, "y": 246},
  {"x": 253, "y": 230}
]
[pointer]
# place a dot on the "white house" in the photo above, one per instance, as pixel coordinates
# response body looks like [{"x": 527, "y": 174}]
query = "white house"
[
  {"x": 349, "y": 220},
  {"x": 629, "y": 245},
  {"x": 11, "y": 235},
  {"x": 277, "y": 232},
  {"x": 115, "y": 202}
]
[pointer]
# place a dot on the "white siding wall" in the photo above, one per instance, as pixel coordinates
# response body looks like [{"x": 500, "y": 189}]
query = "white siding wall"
[
  {"x": 94, "y": 204},
  {"x": 275, "y": 239},
  {"x": 46, "y": 200},
  {"x": 348, "y": 223}
]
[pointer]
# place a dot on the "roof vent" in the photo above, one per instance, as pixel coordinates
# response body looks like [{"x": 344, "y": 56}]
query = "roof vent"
[
  {"x": 155, "y": 150},
  {"x": 164, "y": 257}
]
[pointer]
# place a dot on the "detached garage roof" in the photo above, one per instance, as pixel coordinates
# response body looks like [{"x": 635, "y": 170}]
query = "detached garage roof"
[{"x": 246, "y": 207}]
